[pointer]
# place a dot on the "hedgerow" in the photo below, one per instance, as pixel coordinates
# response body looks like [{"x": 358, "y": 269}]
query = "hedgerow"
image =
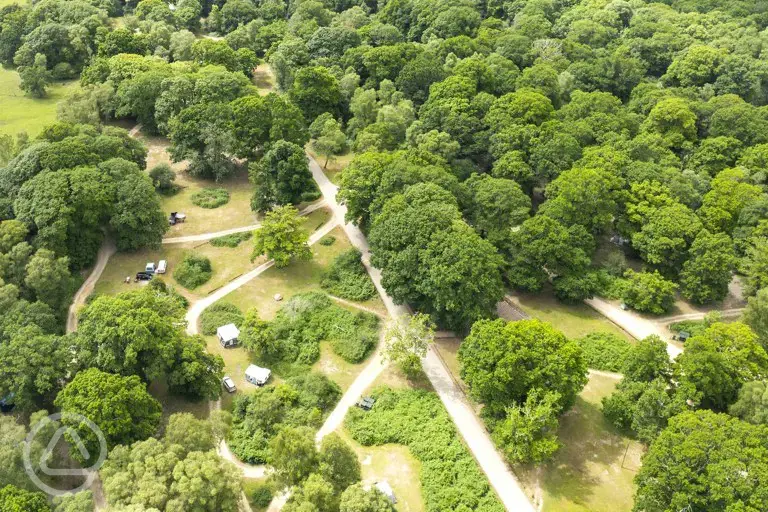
[
  {"x": 221, "y": 313},
  {"x": 193, "y": 271},
  {"x": 303, "y": 400},
  {"x": 450, "y": 478},
  {"x": 210, "y": 198},
  {"x": 604, "y": 351},
  {"x": 232, "y": 240},
  {"x": 347, "y": 278}
]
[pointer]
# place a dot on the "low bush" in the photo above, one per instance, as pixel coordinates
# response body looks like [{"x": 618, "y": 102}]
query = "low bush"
[
  {"x": 210, "y": 198},
  {"x": 308, "y": 318},
  {"x": 450, "y": 477},
  {"x": 302, "y": 401},
  {"x": 261, "y": 495},
  {"x": 193, "y": 271},
  {"x": 221, "y": 313},
  {"x": 232, "y": 240},
  {"x": 604, "y": 351},
  {"x": 327, "y": 241},
  {"x": 347, "y": 278},
  {"x": 163, "y": 179}
]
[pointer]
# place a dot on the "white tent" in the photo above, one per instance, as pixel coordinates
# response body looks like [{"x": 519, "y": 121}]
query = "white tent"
[
  {"x": 257, "y": 375},
  {"x": 386, "y": 490},
  {"x": 228, "y": 335}
]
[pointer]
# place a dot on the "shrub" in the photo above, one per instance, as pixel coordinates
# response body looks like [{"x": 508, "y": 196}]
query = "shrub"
[
  {"x": 604, "y": 351},
  {"x": 302, "y": 401},
  {"x": 221, "y": 313},
  {"x": 210, "y": 198},
  {"x": 450, "y": 477},
  {"x": 308, "y": 318},
  {"x": 347, "y": 278},
  {"x": 163, "y": 179},
  {"x": 648, "y": 292},
  {"x": 232, "y": 240},
  {"x": 327, "y": 241},
  {"x": 193, "y": 271},
  {"x": 261, "y": 496}
]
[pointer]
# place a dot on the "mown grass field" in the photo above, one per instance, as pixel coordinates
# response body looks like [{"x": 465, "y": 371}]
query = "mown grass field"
[{"x": 23, "y": 113}]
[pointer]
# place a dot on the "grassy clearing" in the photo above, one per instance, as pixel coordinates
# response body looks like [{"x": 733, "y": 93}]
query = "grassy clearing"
[
  {"x": 236, "y": 213},
  {"x": 593, "y": 471},
  {"x": 298, "y": 277},
  {"x": 23, "y": 113},
  {"x": 173, "y": 404},
  {"x": 228, "y": 263},
  {"x": 335, "y": 165},
  {"x": 264, "y": 79},
  {"x": 574, "y": 320}
]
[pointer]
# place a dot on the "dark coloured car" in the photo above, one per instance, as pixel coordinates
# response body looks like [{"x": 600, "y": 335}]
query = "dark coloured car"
[{"x": 143, "y": 276}]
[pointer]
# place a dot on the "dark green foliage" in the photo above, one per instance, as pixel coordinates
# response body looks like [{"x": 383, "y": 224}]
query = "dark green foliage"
[
  {"x": 261, "y": 495},
  {"x": 303, "y": 400},
  {"x": 221, "y": 313},
  {"x": 347, "y": 278},
  {"x": 193, "y": 271},
  {"x": 418, "y": 420},
  {"x": 604, "y": 351},
  {"x": 328, "y": 240},
  {"x": 210, "y": 198},
  {"x": 232, "y": 240},
  {"x": 648, "y": 292},
  {"x": 163, "y": 178}
]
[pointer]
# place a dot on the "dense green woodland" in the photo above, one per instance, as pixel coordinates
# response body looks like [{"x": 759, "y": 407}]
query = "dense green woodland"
[{"x": 526, "y": 144}]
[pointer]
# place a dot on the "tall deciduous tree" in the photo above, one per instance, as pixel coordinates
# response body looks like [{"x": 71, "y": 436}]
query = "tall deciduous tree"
[
  {"x": 281, "y": 177},
  {"x": 407, "y": 343},
  {"x": 281, "y": 237},
  {"x": 708, "y": 270}
]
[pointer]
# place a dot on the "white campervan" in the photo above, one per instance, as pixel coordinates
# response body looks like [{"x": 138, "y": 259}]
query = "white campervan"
[{"x": 161, "y": 267}]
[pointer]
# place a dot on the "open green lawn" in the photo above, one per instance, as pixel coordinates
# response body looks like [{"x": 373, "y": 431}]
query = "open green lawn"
[
  {"x": 23, "y": 113},
  {"x": 264, "y": 79},
  {"x": 298, "y": 277},
  {"x": 228, "y": 263},
  {"x": 574, "y": 320},
  {"x": 593, "y": 471},
  {"x": 335, "y": 164}
]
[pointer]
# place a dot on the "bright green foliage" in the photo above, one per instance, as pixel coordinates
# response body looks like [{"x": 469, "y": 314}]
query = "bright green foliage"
[
  {"x": 708, "y": 270},
  {"x": 13, "y": 499},
  {"x": 221, "y": 313},
  {"x": 293, "y": 454},
  {"x": 407, "y": 343},
  {"x": 648, "y": 292},
  {"x": 604, "y": 351},
  {"x": 497, "y": 205},
  {"x": 80, "y": 502},
  {"x": 418, "y": 420},
  {"x": 502, "y": 362},
  {"x": 706, "y": 461},
  {"x": 756, "y": 315},
  {"x": 719, "y": 361},
  {"x": 281, "y": 237},
  {"x": 752, "y": 404},
  {"x": 210, "y": 198},
  {"x": 301, "y": 401},
  {"x": 35, "y": 78},
  {"x": 194, "y": 270},
  {"x": 357, "y": 499},
  {"x": 756, "y": 266},
  {"x": 646, "y": 360},
  {"x": 163, "y": 475},
  {"x": 328, "y": 139},
  {"x": 256, "y": 336},
  {"x": 347, "y": 278},
  {"x": 119, "y": 406},
  {"x": 529, "y": 431},
  {"x": 195, "y": 372},
  {"x": 665, "y": 237}
]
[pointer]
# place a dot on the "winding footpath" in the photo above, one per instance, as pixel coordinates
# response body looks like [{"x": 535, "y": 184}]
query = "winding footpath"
[
  {"x": 203, "y": 237},
  {"x": 467, "y": 423}
]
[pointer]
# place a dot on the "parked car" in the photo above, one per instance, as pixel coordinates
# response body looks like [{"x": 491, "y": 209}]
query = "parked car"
[
  {"x": 143, "y": 276},
  {"x": 366, "y": 403},
  {"x": 161, "y": 267},
  {"x": 149, "y": 268},
  {"x": 229, "y": 384}
]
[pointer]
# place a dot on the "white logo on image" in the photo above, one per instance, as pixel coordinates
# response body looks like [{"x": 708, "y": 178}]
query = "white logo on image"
[{"x": 89, "y": 473}]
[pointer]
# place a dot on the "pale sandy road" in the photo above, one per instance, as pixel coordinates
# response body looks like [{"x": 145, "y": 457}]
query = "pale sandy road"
[
  {"x": 106, "y": 251},
  {"x": 505, "y": 484}
]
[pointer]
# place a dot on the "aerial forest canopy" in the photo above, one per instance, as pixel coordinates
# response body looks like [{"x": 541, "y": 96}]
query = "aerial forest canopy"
[{"x": 505, "y": 141}]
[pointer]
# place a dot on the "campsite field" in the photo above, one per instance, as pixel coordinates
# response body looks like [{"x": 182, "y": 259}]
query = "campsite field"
[{"x": 23, "y": 113}]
